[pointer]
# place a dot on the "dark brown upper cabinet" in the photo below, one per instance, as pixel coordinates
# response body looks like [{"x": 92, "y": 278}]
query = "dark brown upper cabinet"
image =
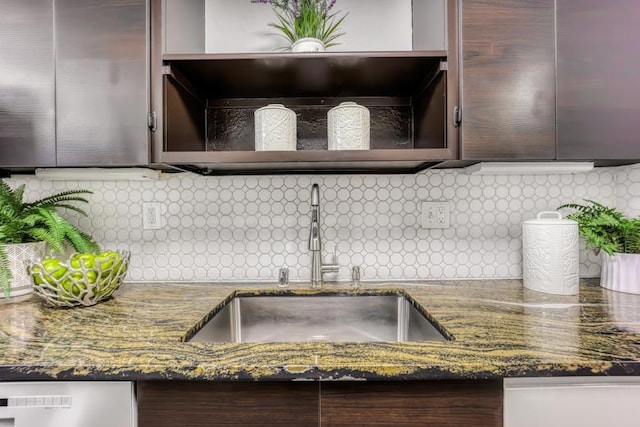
[
  {"x": 27, "y": 84},
  {"x": 102, "y": 97},
  {"x": 508, "y": 80},
  {"x": 598, "y": 80},
  {"x": 79, "y": 98},
  {"x": 209, "y": 77}
]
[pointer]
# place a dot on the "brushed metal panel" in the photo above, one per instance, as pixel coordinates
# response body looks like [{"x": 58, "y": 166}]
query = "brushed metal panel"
[
  {"x": 102, "y": 90},
  {"x": 27, "y": 84}
]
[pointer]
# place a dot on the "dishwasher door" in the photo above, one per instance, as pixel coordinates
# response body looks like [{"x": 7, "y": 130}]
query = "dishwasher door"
[
  {"x": 67, "y": 404},
  {"x": 572, "y": 402}
]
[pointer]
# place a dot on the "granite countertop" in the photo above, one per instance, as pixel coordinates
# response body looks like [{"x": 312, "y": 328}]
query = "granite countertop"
[{"x": 500, "y": 330}]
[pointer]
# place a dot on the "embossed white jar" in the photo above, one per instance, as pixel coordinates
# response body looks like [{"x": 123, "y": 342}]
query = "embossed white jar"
[
  {"x": 550, "y": 254},
  {"x": 348, "y": 127},
  {"x": 275, "y": 127}
]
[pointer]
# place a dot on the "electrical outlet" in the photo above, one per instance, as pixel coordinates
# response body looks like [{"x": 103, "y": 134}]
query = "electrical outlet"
[
  {"x": 151, "y": 216},
  {"x": 435, "y": 214}
]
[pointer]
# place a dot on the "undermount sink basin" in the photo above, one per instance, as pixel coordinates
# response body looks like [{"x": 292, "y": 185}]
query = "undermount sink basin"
[{"x": 319, "y": 317}]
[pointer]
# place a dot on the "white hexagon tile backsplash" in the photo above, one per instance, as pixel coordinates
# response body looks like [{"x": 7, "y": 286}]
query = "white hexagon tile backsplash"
[{"x": 246, "y": 228}]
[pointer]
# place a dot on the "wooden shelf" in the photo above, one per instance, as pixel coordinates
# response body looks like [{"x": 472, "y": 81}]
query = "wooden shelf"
[
  {"x": 277, "y": 75},
  {"x": 307, "y": 161}
]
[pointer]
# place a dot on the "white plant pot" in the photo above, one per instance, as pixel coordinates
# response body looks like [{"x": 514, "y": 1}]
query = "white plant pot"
[
  {"x": 621, "y": 272},
  {"x": 19, "y": 256},
  {"x": 308, "y": 44}
]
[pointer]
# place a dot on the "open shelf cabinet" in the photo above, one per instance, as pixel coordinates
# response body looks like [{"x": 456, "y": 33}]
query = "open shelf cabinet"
[{"x": 205, "y": 104}]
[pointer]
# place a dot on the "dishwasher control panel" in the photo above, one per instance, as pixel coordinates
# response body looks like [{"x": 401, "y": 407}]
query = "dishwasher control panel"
[{"x": 36, "y": 401}]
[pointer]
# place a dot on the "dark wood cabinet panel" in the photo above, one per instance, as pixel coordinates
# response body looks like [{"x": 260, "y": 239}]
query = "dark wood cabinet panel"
[
  {"x": 598, "y": 79},
  {"x": 434, "y": 403},
  {"x": 508, "y": 79},
  {"x": 199, "y": 404}
]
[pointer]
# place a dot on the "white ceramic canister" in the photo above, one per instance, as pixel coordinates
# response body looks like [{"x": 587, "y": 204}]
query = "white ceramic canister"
[
  {"x": 550, "y": 253},
  {"x": 348, "y": 127},
  {"x": 275, "y": 128}
]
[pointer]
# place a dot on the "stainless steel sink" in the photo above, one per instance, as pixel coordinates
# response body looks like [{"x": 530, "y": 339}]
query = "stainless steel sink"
[{"x": 333, "y": 318}]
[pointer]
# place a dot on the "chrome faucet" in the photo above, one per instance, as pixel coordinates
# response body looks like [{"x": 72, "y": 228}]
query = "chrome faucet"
[{"x": 315, "y": 242}]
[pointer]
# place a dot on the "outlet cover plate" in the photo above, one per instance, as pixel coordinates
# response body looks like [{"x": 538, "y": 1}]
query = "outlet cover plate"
[
  {"x": 151, "y": 216},
  {"x": 435, "y": 214}
]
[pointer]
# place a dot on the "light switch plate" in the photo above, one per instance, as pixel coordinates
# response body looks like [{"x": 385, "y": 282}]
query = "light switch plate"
[{"x": 435, "y": 214}]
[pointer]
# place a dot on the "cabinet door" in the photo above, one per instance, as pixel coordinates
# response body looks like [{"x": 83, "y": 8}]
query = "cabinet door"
[
  {"x": 407, "y": 403},
  {"x": 27, "y": 104},
  {"x": 508, "y": 79},
  {"x": 195, "y": 404},
  {"x": 598, "y": 69},
  {"x": 101, "y": 82}
]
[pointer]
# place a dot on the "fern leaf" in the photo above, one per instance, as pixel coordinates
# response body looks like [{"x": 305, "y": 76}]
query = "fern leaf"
[
  {"x": 62, "y": 197},
  {"x": 5, "y": 272},
  {"x": 52, "y": 220},
  {"x": 80, "y": 241},
  {"x": 44, "y": 234}
]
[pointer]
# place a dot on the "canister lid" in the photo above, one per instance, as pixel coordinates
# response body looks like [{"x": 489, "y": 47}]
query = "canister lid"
[
  {"x": 273, "y": 107},
  {"x": 348, "y": 104},
  {"x": 550, "y": 218}
]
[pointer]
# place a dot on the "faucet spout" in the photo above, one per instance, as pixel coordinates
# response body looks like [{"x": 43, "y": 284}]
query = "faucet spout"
[
  {"x": 315, "y": 195},
  {"x": 315, "y": 242}
]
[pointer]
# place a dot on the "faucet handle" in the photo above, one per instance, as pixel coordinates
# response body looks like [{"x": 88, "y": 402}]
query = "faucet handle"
[
  {"x": 332, "y": 266},
  {"x": 283, "y": 277},
  {"x": 355, "y": 277},
  {"x": 334, "y": 256}
]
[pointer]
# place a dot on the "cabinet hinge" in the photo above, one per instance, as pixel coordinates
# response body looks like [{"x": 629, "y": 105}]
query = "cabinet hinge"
[
  {"x": 444, "y": 66},
  {"x": 151, "y": 121},
  {"x": 457, "y": 116}
]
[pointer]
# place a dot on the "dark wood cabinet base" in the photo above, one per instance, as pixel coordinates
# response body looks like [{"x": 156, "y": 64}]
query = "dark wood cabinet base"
[{"x": 349, "y": 403}]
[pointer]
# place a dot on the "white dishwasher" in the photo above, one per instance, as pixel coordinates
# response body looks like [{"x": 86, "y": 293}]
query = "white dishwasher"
[
  {"x": 572, "y": 402},
  {"x": 67, "y": 404}
]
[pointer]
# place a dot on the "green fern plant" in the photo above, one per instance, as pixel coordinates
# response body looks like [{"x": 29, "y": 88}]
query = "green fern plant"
[
  {"x": 605, "y": 228},
  {"x": 22, "y": 222}
]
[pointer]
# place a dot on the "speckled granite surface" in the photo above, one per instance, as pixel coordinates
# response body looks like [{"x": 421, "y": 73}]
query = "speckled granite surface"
[{"x": 500, "y": 330}]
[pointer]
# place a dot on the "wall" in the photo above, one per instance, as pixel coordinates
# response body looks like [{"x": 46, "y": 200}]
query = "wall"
[
  {"x": 628, "y": 190},
  {"x": 377, "y": 25},
  {"x": 246, "y": 228}
]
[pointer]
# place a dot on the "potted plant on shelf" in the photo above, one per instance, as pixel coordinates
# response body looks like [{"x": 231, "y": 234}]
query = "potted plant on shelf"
[
  {"x": 617, "y": 238},
  {"x": 27, "y": 228},
  {"x": 310, "y": 25}
]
